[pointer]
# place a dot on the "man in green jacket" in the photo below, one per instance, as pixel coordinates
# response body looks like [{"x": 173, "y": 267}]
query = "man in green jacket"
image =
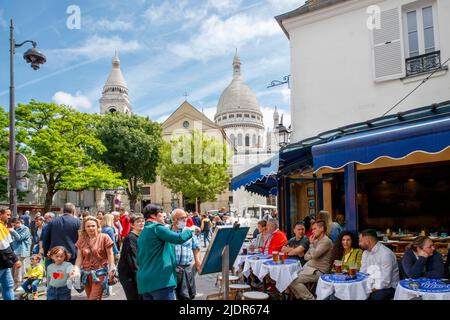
[{"x": 156, "y": 275}]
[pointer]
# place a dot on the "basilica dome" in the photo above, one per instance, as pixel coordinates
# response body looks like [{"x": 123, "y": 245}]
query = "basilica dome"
[{"x": 238, "y": 105}]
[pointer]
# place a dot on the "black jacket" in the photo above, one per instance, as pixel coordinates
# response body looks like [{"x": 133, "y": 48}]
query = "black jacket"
[
  {"x": 431, "y": 267},
  {"x": 127, "y": 266},
  {"x": 62, "y": 231}
]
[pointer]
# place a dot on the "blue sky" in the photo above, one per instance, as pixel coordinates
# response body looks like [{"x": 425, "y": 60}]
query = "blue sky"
[{"x": 166, "y": 48}]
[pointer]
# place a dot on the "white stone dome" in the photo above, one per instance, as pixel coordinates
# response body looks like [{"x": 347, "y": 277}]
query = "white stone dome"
[
  {"x": 237, "y": 97},
  {"x": 116, "y": 79}
]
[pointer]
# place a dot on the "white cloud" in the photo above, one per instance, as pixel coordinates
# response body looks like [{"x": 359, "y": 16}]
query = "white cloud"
[
  {"x": 172, "y": 11},
  {"x": 77, "y": 101},
  {"x": 225, "y": 4},
  {"x": 210, "y": 112},
  {"x": 217, "y": 36},
  {"x": 3, "y": 22},
  {"x": 103, "y": 24},
  {"x": 94, "y": 47}
]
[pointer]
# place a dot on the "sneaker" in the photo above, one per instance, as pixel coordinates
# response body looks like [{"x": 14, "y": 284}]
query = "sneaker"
[{"x": 19, "y": 289}]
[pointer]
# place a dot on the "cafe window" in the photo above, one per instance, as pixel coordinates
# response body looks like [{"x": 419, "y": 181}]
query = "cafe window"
[{"x": 412, "y": 197}]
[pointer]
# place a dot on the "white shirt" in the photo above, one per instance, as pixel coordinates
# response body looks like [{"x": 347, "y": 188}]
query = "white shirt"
[{"x": 381, "y": 265}]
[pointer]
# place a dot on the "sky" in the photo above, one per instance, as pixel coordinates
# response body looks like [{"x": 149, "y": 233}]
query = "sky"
[{"x": 167, "y": 49}]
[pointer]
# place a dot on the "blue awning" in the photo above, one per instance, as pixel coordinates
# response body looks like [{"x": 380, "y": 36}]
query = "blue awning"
[
  {"x": 395, "y": 142},
  {"x": 259, "y": 179}
]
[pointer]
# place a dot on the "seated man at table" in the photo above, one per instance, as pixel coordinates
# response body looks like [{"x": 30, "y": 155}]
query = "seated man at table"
[
  {"x": 381, "y": 265},
  {"x": 421, "y": 260},
  {"x": 318, "y": 259},
  {"x": 297, "y": 246},
  {"x": 276, "y": 238}
]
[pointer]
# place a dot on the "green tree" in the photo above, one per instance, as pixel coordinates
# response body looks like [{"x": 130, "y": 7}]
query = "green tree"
[
  {"x": 195, "y": 165},
  {"x": 58, "y": 141},
  {"x": 133, "y": 146},
  {"x": 3, "y": 154}
]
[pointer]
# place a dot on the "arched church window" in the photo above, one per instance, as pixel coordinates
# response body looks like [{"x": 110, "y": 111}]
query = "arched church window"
[
  {"x": 254, "y": 140},
  {"x": 233, "y": 140},
  {"x": 112, "y": 110},
  {"x": 247, "y": 140},
  {"x": 259, "y": 141},
  {"x": 240, "y": 139}
]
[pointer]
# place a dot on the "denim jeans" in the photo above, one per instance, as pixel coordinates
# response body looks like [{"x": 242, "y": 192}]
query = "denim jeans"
[
  {"x": 161, "y": 294},
  {"x": 62, "y": 293},
  {"x": 34, "y": 285},
  {"x": 7, "y": 284}
]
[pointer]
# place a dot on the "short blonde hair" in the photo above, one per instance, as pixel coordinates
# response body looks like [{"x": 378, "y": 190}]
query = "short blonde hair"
[
  {"x": 108, "y": 220},
  {"x": 82, "y": 232}
]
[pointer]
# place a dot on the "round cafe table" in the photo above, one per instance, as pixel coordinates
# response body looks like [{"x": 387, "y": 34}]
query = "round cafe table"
[
  {"x": 282, "y": 274},
  {"x": 240, "y": 259},
  {"x": 427, "y": 289},
  {"x": 253, "y": 264},
  {"x": 342, "y": 287}
]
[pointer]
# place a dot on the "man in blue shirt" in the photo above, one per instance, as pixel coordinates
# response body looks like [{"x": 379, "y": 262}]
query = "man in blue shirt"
[
  {"x": 26, "y": 218},
  {"x": 187, "y": 258},
  {"x": 62, "y": 231}
]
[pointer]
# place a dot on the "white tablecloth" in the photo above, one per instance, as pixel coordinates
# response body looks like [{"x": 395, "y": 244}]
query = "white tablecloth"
[
  {"x": 254, "y": 266},
  {"x": 345, "y": 290},
  {"x": 240, "y": 259},
  {"x": 282, "y": 274},
  {"x": 402, "y": 293}
]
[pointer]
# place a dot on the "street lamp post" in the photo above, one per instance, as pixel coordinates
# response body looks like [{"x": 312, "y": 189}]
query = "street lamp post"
[{"x": 36, "y": 58}]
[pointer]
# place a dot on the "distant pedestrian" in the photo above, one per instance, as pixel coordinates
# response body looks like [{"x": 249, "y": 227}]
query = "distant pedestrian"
[
  {"x": 127, "y": 267},
  {"x": 21, "y": 246},
  {"x": 118, "y": 226},
  {"x": 337, "y": 227},
  {"x": 124, "y": 219},
  {"x": 156, "y": 275},
  {"x": 100, "y": 215},
  {"x": 36, "y": 236},
  {"x": 205, "y": 229},
  {"x": 197, "y": 220},
  {"x": 8, "y": 258},
  {"x": 26, "y": 218},
  {"x": 108, "y": 228},
  {"x": 62, "y": 231}
]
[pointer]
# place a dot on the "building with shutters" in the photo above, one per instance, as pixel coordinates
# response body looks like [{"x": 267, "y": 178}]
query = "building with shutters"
[
  {"x": 370, "y": 114},
  {"x": 352, "y": 60}
]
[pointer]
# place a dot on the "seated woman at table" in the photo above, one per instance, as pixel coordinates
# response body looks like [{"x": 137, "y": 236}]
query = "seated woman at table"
[
  {"x": 421, "y": 260},
  {"x": 261, "y": 237},
  {"x": 346, "y": 249}
]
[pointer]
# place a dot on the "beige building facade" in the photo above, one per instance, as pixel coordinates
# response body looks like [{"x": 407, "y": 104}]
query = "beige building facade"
[{"x": 184, "y": 120}]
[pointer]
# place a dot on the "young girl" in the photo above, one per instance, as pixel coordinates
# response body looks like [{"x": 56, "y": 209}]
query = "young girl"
[
  {"x": 33, "y": 276},
  {"x": 58, "y": 274}
]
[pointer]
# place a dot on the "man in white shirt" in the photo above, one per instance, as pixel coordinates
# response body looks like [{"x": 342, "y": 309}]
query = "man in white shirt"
[{"x": 381, "y": 265}]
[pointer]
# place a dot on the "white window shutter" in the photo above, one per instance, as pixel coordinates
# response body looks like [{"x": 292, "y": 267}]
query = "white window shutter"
[{"x": 388, "y": 54}]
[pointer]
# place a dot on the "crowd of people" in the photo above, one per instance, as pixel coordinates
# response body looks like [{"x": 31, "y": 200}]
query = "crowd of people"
[
  {"x": 155, "y": 255},
  {"x": 319, "y": 244},
  {"x": 150, "y": 254}
]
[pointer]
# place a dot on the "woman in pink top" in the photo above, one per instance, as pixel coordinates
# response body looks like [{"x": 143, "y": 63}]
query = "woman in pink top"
[{"x": 95, "y": 258}]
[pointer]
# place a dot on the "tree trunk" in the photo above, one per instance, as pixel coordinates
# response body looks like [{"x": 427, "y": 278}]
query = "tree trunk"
[{"x": 48, "y": 200}]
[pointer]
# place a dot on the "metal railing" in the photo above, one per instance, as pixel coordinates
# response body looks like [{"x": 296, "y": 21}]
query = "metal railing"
[{"x": 423, "y": 63}]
